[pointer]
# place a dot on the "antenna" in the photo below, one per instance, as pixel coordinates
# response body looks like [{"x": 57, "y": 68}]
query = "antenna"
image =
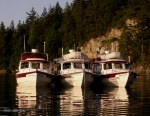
[
  {"x": 44, "y": 46},
  {"x": 44, "y": 50},
  {"x": 24, "y": 44},
  {"x": 62, "y": 51},
  {"x": 74, "y": 47}
]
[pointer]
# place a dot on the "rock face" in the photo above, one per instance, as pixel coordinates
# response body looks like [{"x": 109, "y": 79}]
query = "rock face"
[
  {"x": 142, "y": 70},
  {"x": 109, "y": 42},
  {"x": 104, "y": 42}
]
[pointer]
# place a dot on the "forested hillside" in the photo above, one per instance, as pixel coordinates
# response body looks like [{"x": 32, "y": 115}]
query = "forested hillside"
[{"x": 77, "y": 23}]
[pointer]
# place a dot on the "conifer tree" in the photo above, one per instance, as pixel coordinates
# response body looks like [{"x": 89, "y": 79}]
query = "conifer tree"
[
  {"x": 68, "y": 30},
  {"x": 2, "y": 44}
]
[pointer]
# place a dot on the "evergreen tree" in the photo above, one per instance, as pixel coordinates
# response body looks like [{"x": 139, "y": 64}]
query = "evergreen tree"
[
  {"x": 2, "y": 44},
  {"x": 8, "y": 45},
  {"x": 68, "y": 30},
  {"x": 32, "y": 16},
  {"x": 72, "y": 26},
  {"x": 137, "y": 12},
  {"x": 36, "y": 38},
  {"x": 78, "y": 11},
  {"x": 53, "y": 36},
  {"x": 44, "y": 13}
]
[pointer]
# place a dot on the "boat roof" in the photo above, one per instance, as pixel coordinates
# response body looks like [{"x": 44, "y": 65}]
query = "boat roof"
[
  {"x": 30, "y": 56},
  {"x": 73, "y": 60},
  {"x": 34, "y": 60},
  {"x": 112, "y": 60}
]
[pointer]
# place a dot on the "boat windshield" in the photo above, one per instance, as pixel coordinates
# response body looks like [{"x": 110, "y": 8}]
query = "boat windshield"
[
  {"x": 96, "y": 67},
  {"x": 108, "y": 66},
  {"x": 24, "y": 65},
  {"x": 118, "y": 66},
  {"x": 78, "y": 65},
  {"x": 128, "y": 66},
  {"x": 45, "y": 66},
  {"x": 87, "y": 65},
  {"x": 35, "y": 65},
  {"x": 58, "y": 66},
  {"x": 66, "y": 65}
]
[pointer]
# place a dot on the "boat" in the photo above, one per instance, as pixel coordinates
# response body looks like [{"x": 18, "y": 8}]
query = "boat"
[
  {"x": 74, "y": 69},
  {"x": 112, "y": 70},
  {"x": 34, "y": 69}
]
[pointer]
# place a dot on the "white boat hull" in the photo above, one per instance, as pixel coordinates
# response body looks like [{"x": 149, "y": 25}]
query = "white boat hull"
[
  {"x": 34, "y": 79},
  {"x": 75, "y": 79},
  {"x": 74, "y": 69},
  {"x": 119, "y": 80},
  {"x": 112, "y": 70},
  {"x": 80, "y": 79}
]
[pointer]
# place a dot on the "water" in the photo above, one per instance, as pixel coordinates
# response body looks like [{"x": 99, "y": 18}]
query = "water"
[{"x": 29, "y": 101}]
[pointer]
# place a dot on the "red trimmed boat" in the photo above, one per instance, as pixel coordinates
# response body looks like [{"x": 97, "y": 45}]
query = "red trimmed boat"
[
  {"x": 34, "y": 69},
  {"x": 73, "y": 69},
  {"x": 112, "y": 70}
]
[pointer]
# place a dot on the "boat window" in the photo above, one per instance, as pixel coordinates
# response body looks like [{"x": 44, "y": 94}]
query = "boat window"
[
  {"x": 118, "y": 65},
  {"x": 87, "y": 65},
  {"x": 128, "y": 66},
  {"x": 45, "y": 66},
  {"x": 35, "y": 65},
  {"x": 66, "y": 65},
  {"x": 24, "y": 65},
  {"x": 96, "y": 67},
  {"x": 108, "y": 66},
  {"x": 78, "y": 65},
  {"x": 104, "y": 66},
  {"x": 59, "y": 66}
]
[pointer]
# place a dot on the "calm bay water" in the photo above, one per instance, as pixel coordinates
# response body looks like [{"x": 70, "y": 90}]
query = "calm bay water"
[{"x": 29, "y": 101}]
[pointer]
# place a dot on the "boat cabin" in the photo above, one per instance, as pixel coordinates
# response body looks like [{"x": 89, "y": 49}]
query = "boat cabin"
[
  {"x": 31, "y": 61},
  {"x": 72, "y": 66},
  {"x": 109, "y": 66},
  {"x": 32, "y": 65}
]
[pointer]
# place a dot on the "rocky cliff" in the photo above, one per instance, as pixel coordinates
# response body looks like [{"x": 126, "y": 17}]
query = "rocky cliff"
[{"x": 109, "y": 42}]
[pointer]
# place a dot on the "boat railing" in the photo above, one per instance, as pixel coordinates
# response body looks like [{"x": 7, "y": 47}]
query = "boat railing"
[
  {"x": 30, "y": 70},
  {"x": 67, "y": 71}
]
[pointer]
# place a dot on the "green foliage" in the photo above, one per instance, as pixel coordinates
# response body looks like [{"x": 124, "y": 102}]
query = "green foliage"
[
  {"x": 72, "y": 26},
  {"x": 2, "y": 44},
  {"x": 136, "y": 38}
]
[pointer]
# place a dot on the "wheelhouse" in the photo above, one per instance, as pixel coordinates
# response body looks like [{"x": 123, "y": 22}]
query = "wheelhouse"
[
  {"x": 110, "y": 65},
  {"x": 33, "y": 65},
  {"x": 73, "y": 66},
  {"x": 31, "y": 61}
]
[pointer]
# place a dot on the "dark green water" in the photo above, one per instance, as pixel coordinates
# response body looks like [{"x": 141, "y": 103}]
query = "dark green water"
[{"x": 29, "y": 101}]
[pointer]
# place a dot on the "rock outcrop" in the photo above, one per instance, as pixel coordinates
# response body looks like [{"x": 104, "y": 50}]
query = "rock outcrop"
[{"x": 104, "y": 42}]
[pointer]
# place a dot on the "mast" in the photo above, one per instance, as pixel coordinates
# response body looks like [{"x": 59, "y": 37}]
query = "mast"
[
  {"x": 62, "y": 51},
  {"x": 24, "y": 44},
  {"x": 44, "y": 46},
  {"x": 44, "y": 50}
]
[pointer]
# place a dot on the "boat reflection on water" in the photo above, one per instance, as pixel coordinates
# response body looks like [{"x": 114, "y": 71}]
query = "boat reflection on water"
[
  {"x": 74, "y": 101},
  {"x": 26, "y": 96},
  {"x": 107, "y": 101},
  {"x": 49, "y": 101},
  {"x": 69, "y": 101},
  {"x": 91, "y": 101},
  {"x": 31, "y": 99}
]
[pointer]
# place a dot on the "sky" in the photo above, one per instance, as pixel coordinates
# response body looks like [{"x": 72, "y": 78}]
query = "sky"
[{"x": 16, "y": 9}]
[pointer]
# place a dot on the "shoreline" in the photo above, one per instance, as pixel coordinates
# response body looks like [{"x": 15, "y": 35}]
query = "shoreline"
[
  {"x": 139, "y": 70},
  {"x": 7, "y": 72}
]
